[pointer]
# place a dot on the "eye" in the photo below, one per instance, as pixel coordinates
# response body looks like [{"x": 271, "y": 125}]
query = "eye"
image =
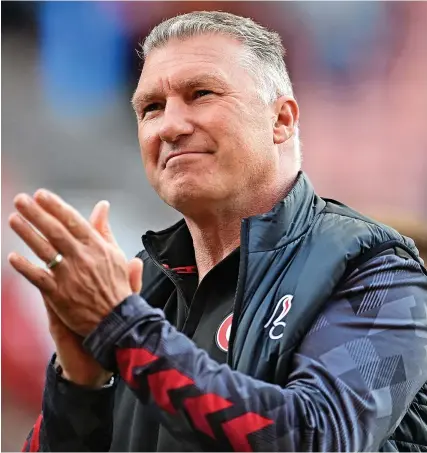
[
  {"x": 201, "y": 93},
  {"x": 151, "y": 107}
]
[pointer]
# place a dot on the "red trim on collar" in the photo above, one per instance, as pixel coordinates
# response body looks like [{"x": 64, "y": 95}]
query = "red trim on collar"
[{"x": 182, "y": 269}]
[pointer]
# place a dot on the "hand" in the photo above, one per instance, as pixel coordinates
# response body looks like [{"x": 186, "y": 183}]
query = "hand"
[
  {"x": 93, "y": 276},
  {"x": 78, "y": 366}
]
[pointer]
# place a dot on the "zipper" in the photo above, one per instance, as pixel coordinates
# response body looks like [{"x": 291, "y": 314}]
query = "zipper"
[
  {"x": 168, "y": 273},
  {"x": 238, "y": 298}
]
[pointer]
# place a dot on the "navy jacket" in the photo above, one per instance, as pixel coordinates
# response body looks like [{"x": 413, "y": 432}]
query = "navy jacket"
[{"x": 327, "y": 349}]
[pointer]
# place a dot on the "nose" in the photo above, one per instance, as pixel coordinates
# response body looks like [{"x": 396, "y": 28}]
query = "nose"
[{"x": 175, "y": 121}]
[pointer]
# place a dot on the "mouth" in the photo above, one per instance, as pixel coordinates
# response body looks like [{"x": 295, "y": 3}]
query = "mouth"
[{"x": 177, "y": 155}]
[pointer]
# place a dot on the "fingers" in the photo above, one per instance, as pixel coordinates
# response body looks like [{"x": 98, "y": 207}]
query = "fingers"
[
  {"x": 34, "y": 274},
  {"x": 99, "y": 215},
  {"x": 42, "y": 248},
  {"x": 51, "y": 228},
  {"x": 69, "y": 217},
  {"x": 135, "y": 266},
  {"x": 99, "y": 221}
]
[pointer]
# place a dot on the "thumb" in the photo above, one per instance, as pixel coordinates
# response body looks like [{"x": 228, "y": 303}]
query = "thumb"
[
  {"x": 135, "y": 267},
  {"x": 99, "y": 220}
]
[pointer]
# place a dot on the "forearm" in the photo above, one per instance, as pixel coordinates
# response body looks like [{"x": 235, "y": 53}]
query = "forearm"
[{"x": 73, "y": 418}]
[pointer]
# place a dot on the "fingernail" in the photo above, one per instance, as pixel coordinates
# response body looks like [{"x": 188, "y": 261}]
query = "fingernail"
[
  {"x": 42, "y": 194},
  {"x": 11, "y": 257},
  {"x": 22, "y": 199},
  {"x": 13, "y": 218}
]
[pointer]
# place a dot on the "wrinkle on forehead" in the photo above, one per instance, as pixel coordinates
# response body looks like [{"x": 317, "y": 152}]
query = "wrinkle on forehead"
[
  {"x": 191, "y": 63},
  {"x": 213, "y": 80}
]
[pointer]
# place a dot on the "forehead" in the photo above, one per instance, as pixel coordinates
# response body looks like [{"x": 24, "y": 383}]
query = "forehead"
[{"x": 208, "y": 57}]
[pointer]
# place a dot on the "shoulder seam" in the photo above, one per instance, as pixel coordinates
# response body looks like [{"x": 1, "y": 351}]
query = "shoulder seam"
[{"x": 365, "y": 220}]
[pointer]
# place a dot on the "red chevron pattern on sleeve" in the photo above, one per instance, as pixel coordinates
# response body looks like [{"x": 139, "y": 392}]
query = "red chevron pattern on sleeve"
[
  {"x": 26, "y": 445},
  {"x": 237, "y": 429},
  {"x": 33, "y": 442},
  {"x": 129, "y": 359},
  {"x": 200, "y": 406},
  {"x": 161, "y": 383}
]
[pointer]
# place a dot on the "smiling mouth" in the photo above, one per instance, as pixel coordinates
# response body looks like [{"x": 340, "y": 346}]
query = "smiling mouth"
[{"x": 174, "y": 156}]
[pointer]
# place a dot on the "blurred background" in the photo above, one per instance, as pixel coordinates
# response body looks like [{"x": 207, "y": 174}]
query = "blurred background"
[{"x": 69, "y": 69}]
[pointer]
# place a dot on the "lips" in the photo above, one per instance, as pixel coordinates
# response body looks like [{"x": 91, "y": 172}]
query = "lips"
[{"x": 180, "y": 153}]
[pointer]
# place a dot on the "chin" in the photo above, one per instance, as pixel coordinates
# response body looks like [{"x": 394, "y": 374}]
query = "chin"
[{"x": 189, "y": 197}]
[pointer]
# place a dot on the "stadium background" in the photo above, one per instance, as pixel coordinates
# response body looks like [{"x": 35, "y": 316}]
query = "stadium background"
[{"x": 69, "y": 68}]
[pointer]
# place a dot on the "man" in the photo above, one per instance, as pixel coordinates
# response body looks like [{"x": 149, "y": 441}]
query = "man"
[{"x": 269, "y": 319}]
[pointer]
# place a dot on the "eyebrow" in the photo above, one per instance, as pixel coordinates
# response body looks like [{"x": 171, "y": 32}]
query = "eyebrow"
[{"x": 142, "y": 98}]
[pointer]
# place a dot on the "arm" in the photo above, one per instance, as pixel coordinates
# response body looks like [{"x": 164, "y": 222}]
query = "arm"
[
  {"x": 73, "y": 418},
  {"x": 353, "y": 377}
]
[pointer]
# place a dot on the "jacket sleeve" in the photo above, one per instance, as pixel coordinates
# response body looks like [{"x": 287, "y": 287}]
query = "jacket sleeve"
[
  {"x": 352, "y": 379},
  {"x": 73, "y": 418}
]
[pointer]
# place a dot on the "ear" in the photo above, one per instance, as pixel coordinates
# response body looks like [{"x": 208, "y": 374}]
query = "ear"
[{"x": 286, "y": 115}]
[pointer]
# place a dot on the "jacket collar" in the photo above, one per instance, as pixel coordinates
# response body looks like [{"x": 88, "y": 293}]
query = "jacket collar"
[{"x": 288, "y": 220}]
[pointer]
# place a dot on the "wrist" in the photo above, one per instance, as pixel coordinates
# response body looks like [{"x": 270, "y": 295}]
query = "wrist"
[{"x": 90, "y": 380}]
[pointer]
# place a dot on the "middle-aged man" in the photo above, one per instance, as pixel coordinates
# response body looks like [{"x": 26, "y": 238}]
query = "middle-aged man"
[{"x": 269, "y": 319}]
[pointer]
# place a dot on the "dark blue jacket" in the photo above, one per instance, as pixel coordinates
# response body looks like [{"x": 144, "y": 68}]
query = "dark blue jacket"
[{"x": 327, "y": 348}]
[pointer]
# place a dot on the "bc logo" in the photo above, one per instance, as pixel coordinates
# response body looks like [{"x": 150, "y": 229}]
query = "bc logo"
[{"x": 275, "y": 323}]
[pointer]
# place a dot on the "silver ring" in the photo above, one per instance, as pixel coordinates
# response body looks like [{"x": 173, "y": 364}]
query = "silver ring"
[{"x": 55, "y": 261}]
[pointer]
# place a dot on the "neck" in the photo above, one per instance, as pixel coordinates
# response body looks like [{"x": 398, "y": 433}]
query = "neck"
[
  {"x": 216, "y": 232},
  {"x": 213, "y": 240}
]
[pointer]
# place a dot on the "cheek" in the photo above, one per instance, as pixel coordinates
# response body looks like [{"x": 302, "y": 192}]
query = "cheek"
[
  {"x": 149, "y": 146},
  {"x": 251, "y": 140}
]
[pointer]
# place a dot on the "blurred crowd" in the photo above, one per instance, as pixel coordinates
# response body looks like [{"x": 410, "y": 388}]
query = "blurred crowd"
[{"x": 69, "y": 68}]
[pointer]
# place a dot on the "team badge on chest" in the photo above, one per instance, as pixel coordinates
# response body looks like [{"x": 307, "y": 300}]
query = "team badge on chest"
[{"x": 223, "y": 333}]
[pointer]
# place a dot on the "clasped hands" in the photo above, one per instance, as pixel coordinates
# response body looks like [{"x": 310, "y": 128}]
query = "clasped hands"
[{"x": 93, "y": 276}]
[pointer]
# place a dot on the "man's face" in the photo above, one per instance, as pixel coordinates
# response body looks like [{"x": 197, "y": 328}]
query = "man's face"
[{"x": 205, "y": 135}]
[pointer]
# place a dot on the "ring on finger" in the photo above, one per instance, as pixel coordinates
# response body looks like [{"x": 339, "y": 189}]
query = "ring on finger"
[{"x": 55, "y": 261}]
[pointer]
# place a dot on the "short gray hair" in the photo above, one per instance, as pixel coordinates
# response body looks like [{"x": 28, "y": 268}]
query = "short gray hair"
[{"x": 264, "y": 49}]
